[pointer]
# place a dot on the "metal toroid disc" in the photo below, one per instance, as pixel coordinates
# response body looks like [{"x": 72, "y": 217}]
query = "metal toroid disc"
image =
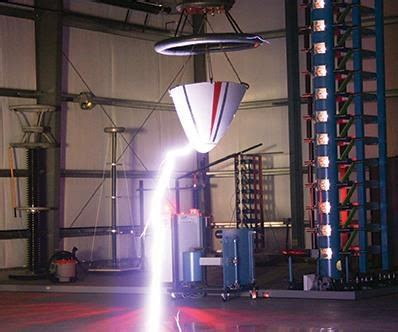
[
  {"x": 114, "y": 129},
  {"x": 208, "y": 43}
]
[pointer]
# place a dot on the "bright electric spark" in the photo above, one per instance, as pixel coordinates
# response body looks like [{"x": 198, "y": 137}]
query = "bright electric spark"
[
  {"x": 154, "y": 304},
  {"x": 177, "y": 319}
]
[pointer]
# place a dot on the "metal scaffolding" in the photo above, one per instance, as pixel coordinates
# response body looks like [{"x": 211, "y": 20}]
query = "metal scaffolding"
[{"x": 249, "y": 196}]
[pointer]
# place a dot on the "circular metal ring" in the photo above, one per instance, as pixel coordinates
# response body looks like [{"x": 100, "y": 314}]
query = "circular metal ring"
[
  {"x": 208, "y": 43},
  {"x": 111, "y": 130}
]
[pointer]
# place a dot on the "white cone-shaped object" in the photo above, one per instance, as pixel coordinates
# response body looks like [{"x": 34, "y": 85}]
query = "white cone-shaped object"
[{"x": 206, "y": 110}]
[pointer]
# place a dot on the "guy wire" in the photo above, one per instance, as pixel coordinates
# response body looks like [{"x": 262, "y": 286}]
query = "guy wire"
[{"x": 179, "y": 72}]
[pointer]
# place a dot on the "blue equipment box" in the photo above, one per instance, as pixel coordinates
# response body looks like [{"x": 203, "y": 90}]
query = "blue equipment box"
[{"x": 238, "y": 259}]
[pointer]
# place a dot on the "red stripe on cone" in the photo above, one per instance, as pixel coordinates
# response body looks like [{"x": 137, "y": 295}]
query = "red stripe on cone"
[{"x": 216, "y": 97}]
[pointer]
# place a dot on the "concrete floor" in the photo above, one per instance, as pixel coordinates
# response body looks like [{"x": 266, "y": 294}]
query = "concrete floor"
[
  {"x": 116, "y": 301},
  {"x": 118, "y": 312}
]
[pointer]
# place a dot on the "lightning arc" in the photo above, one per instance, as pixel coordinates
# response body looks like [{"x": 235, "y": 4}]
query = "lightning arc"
[{"x": 153, "y": 310}]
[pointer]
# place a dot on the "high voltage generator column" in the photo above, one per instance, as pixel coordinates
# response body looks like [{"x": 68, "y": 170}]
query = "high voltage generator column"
[
  {"x": 349, "y": 116},
  {"x": 324, "y": 105}
]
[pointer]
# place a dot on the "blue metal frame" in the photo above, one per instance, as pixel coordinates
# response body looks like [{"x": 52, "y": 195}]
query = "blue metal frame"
[
  {"x": 360, "y": 134},
  {"x": 329, "y": 220},
  {"x": 381, "y": 112}
]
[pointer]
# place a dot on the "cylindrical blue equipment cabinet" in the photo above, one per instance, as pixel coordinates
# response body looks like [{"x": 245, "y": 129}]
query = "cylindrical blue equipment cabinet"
[{"x": 192, "y": 271}]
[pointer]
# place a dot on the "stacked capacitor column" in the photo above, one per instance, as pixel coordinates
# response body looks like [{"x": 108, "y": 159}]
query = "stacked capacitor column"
[{"x": 324, "y": 105}]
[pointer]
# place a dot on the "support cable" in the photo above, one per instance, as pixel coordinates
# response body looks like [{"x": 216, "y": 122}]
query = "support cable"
[
  {"x": 99, "y": 203},
  {"x": 209, "y": 67},
  {"x": 226, "y": 55},
  {"x": 104, "y": 110},
  {"x": 232, "y": 21}
]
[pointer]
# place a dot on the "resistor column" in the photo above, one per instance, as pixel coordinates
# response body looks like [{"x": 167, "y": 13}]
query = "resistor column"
[{"x": 324, "y": 105}]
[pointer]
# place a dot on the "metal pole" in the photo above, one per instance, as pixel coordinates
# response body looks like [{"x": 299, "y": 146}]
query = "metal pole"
[
  {"x": 175, "y": 252},
  {"x": 347, "y": 268},
  {"x": 381, "y": 115},
  {"x": 326, "y": 146},
  {"x": 294, "y": 111},
  {"x": 114, "y": 131},
  {"x": 236, "y": 262},
  {"x": 309, "y": 124},
  {"x": 290, "y": 264},
  {"x": 48, "y": 39},
  {"x": 142, "y": 222},
  {"x": 113, "y": 200},
  {"x": 177, "y": 189},
  {"x": 360, "y": 135},
  {"x": 201, "y": 196}
]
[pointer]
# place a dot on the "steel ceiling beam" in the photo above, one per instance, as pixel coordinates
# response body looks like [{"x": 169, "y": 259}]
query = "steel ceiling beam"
[
  {"x": 115, "y": 27},
  {"x": 149, "y": 105},
  {"x": 13, "y": 11},
  {"x": 120, "y": 28},
  {"x": 143, "y": 6},
  {"x": 93, "y": 23}
]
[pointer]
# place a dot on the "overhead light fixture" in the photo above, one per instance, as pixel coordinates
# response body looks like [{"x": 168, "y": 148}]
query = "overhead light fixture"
[{"x": 86, "y": 100}]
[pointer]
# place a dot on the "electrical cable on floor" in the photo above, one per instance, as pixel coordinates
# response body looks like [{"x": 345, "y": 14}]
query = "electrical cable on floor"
[{"x": 179, "y": 72}]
